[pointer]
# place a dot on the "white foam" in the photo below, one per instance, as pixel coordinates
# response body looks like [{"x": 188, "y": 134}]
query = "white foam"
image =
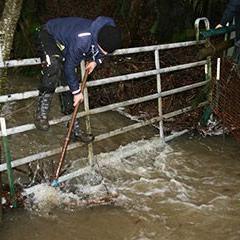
[
  {"x": 157, "y": 191},
  {"x": 143, "y": 147},
  {"x": 45, "y": 196},
  {"x": 188, "y": 204},
  {"x": 3, "y": 200}
]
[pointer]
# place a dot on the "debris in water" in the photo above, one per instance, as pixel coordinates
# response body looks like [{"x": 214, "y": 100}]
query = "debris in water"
[{"x": 45, "y": 197}]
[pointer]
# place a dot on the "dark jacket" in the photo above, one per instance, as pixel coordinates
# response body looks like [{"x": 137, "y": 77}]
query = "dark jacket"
[
  {"x": 232, "y": 10},
  {"x": 79, "y": 38}
]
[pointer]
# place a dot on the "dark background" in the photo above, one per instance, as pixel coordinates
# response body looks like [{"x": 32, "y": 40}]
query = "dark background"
[{"x": 142, "y": 22}]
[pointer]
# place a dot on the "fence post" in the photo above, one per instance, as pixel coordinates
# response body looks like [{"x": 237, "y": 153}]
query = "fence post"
[
  {"x": 1, "y": 57},
  {"x": 208, "y": 72},
  {"x": 1, "y": 213},
  {"x": 159, "y": 89},
  {"x": 8, "y": 159},
  {"x": 88, "y": 124},
  {"x": 1, "y": 62},
  {"x": 218, "y": 76}
]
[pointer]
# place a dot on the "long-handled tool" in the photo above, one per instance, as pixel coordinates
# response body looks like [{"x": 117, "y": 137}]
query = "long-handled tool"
[{"x": 55, "y": 182}]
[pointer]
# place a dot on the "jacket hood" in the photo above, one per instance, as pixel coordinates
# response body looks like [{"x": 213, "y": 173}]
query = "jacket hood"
[{"x": 97, "y": 24}]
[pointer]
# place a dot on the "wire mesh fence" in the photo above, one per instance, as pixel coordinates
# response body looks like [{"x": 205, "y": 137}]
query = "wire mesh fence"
[{"x": 226, "y": 97}]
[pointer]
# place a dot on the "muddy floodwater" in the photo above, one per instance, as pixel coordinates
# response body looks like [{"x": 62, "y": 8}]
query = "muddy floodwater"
[{"x": 186, "y": 189}]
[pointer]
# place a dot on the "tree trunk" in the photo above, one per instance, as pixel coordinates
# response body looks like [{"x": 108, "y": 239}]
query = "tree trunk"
[{"x": 8, "y": 23}]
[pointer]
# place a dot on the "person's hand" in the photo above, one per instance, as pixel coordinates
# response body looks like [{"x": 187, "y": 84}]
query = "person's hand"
[
  {"x": 90, "y": 66},
  {"x": 77, "y": 98},
  {"x": 219, "y": 26}
]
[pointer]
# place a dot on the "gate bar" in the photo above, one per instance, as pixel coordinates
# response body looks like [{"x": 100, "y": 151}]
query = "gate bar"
[
  {"x": 72, "y": 146},
  {"x": 29, "y": 94},
  {"x": 8, "y": 159},
  {"x": 37, "y": 61},
  {"x": 87, "y": 119},
  {"x": 159, "y": 90},
  {"x": 28, "y": 127}
]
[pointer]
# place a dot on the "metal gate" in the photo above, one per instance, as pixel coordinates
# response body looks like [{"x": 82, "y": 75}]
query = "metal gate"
[{"x": 5, "y": 132}]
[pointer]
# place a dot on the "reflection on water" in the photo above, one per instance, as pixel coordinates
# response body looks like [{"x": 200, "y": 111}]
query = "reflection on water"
[{"x": 188, "y": 189}]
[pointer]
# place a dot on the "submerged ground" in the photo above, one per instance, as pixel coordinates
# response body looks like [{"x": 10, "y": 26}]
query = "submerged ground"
[{"x": 187, "y": 189}]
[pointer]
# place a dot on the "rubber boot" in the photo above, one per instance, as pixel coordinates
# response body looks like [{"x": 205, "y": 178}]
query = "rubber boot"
[
  {"x": 80, "y": 135},
  {"x": 43, "y": 108}
]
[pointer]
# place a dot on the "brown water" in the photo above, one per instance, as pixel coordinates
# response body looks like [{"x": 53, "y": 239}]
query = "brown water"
[{"x": 188, "y": 189}]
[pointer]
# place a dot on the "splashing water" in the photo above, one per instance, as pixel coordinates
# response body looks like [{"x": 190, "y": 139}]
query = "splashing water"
[
  {"x": 185, "y": 190},
  {"x": 76, "y": 192}
]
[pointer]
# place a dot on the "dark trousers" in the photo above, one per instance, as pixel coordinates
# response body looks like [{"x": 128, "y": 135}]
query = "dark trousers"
[{"x": 52, "y": 69}]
